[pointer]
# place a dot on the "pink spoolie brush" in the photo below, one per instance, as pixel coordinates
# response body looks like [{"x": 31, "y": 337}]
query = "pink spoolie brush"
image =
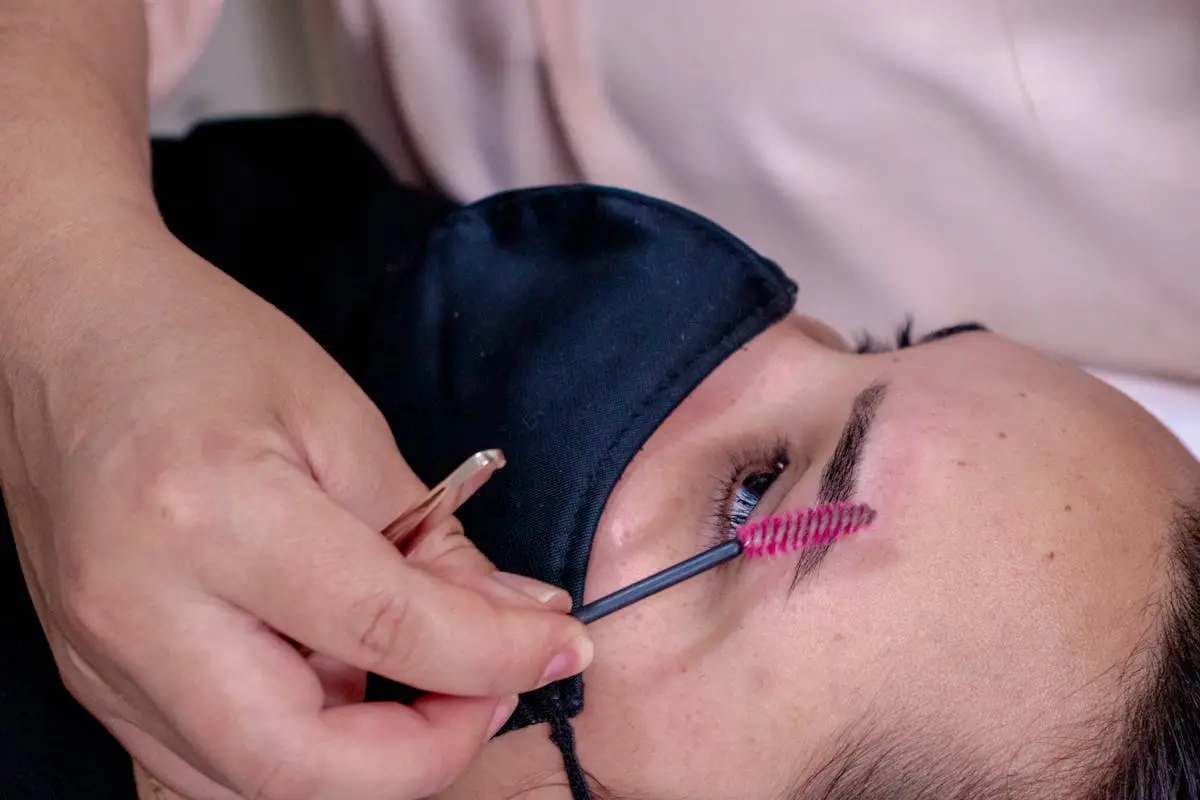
[
  {"x": 819, "y": 525},
  {"x": 776, "y": 535}
]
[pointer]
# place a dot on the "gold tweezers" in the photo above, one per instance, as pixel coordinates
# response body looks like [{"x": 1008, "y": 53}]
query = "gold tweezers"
[{"x": 446, "y": 498}]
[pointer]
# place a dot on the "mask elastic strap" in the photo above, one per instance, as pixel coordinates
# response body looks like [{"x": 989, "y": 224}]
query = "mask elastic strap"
[
  {"x": 563, "y": 736},
  {"x": 549, "y": 709}
]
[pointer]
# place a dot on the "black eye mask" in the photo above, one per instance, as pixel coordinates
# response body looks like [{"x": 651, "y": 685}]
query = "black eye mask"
[{"x": 563, "y": 326}]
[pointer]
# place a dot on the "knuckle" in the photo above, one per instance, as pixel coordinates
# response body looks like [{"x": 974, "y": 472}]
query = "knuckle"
[
  {"x": 177, "y": 480},
  {"x": 175, "y": 497},
  {"x": 388, "y": 631}
]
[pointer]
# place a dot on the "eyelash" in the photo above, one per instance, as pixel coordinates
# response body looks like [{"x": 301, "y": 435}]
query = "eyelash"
[
  {"x": 735, "y": 501},
  {"x": 751, "y": 474},
  {"x": 866, "y": 343}
]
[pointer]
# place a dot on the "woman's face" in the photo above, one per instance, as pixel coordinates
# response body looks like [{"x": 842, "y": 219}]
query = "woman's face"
[{"x": 1022, "y": 510}]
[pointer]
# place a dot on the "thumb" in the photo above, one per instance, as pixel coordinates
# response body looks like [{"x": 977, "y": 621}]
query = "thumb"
[
  {"x": 356, "y": 461},
  {"x": 368, "y": 476},
  {"x": 337, "y": 586},
  {"x": 441, "y": 548}
]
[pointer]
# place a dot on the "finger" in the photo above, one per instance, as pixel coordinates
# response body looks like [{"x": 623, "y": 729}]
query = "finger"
[
  {"x": 436, "y": 742},
  {"x": 383, "y": 484},
  {"x": 253, "y": 707},
  {"x": 160, "y": 774},
  {"x": 211, "y": 703},
  {"x": 151, "y": 788},
  {"x": 459, "y": 562},
  {"x": 443, "y": 550},
  {"x": 130, "y": 714},
  {"x": 318, "y": 575},
  {"x": 373, "y": 481},
  {"x": 359, "y": 465}
]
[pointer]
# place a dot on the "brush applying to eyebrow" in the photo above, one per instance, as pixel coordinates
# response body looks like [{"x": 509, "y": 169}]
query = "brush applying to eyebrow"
[{"x": 776, "y": 535}]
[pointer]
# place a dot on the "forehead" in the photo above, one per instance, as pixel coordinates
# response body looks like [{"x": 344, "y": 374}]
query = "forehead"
[
  {"x": 986, "y": 388},
  {"x": 1034, "y": 494},
  {"x": 982, "y": 418}
]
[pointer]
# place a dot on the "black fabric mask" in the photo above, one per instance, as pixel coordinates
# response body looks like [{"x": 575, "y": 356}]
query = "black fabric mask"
[{"x": 562, "y": 326}]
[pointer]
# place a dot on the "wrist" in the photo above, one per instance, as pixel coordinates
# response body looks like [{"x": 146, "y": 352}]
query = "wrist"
[
  {"x": 76, "y": 294},
  {"x": 66, "y": 273}
]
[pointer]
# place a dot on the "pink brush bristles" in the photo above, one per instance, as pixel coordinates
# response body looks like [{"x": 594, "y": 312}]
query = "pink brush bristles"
[{"x": 819, "y": 525}]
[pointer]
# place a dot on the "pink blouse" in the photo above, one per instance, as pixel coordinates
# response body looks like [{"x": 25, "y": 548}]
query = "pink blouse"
[{"x": 1033, "y": 165}]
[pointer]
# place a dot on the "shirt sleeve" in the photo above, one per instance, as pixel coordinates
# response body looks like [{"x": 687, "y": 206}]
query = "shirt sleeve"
[{"x": 179, "y": 30}]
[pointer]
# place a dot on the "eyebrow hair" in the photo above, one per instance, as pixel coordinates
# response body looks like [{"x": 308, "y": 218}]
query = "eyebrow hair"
[{"x": 839, "y": 479}]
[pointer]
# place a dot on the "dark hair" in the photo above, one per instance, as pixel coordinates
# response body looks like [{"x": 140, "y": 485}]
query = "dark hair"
[
  {"x": 1157, "y": 754},
  {"x": 1150, "y": 750},
  {"x": 904, "y": 338}
]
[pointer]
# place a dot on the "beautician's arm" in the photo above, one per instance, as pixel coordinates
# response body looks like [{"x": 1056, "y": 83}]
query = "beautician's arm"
[{"x": 187, "y": 472}]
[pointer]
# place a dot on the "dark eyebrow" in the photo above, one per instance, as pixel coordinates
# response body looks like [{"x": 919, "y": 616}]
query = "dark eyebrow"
[{"x": 839, "y": 480}]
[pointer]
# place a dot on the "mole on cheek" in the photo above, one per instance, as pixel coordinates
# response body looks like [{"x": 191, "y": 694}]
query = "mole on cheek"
[
  {"x": 960, "y": 462},
  {"x": 1050, "y": 556},
  {"x": 761, "y": 679},
  {"x": 1001, "y": 435}
]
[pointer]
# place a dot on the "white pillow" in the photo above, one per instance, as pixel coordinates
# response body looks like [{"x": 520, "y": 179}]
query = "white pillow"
[{"x": 1175, "y": 404}]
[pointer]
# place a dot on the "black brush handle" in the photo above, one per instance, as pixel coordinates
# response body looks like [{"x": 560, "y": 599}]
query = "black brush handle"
[{"x": 713, "y": 557}]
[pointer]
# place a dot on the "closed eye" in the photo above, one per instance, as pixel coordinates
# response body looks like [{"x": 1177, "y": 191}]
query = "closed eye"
[{"x": 904, "y": 337}]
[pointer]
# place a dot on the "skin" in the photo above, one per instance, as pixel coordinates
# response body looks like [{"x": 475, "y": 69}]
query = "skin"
[
  {"x": 187, "y": 473},
  {"x": 1022, "y": 519}
]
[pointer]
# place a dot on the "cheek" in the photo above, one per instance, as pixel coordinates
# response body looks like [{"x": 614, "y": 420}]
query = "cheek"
[
  {"x": 734, "y": 721},
  {"x": 644, "y": 709},
  {"x": 639, "y": 532},
  {"x": 668, "y": 726}
]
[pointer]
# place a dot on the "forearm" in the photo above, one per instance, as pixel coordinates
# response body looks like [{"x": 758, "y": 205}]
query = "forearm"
[
  {"x": 74, "y": 157},
  {"x": 72, "y": 109}
]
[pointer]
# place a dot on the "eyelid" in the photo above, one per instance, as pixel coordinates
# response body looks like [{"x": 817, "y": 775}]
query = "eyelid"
[{"x": 741, "y": 465}]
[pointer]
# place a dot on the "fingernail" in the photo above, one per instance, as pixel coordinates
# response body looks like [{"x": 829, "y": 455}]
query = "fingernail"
[
  {"x": 571, "y": 660},
  {"x": 543, "y": 593},
  {"x": 503, "y": 711}
]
